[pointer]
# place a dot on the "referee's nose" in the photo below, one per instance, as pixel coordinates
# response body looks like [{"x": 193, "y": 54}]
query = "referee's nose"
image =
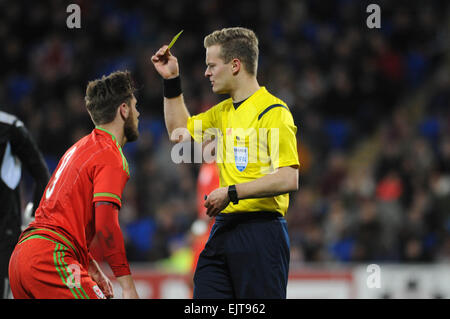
[{"x": 207, "y": 73}]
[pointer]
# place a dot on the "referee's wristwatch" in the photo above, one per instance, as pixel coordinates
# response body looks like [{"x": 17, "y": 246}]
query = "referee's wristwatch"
[{"x": 232, "y": 194}]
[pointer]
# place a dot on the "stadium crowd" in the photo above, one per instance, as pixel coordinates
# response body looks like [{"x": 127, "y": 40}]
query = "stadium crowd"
[{"x": 344, "y": 83}]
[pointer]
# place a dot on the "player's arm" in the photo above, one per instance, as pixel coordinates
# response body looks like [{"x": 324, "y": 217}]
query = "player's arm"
[
  {"x": 111, "y": 240},
  {"x": 23, "y": 144},
  {"x": 283, "y": 180},
  {"x": 176, "y": 113}
]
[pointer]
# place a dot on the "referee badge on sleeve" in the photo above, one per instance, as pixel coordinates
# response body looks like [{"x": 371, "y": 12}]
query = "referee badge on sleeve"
[{"x": 241, "y": 157}]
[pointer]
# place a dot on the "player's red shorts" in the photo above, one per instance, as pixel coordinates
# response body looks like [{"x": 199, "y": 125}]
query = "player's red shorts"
[{"x": 43, "y": 268}]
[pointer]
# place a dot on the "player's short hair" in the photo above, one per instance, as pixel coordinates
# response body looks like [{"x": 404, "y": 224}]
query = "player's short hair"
[
  {"x": 105, "y": 95},
  {"x": 237, "y": 42}
]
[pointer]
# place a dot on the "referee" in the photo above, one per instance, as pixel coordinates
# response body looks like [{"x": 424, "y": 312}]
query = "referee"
[
  {"x": 247, "y": 253},
  {"x": 17, "y": 148}
]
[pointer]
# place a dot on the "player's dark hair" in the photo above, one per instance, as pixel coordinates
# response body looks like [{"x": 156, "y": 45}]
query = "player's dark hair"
[
  {"x": 105, "y": 95},
  {"x": 238, "y": 42}
]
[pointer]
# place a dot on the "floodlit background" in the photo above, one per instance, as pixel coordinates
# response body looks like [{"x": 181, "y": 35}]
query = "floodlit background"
[{"x": 371, "y": 107}]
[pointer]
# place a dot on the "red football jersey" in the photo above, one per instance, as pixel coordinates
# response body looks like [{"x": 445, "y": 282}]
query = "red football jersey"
[
  {"x": 94, "y": 169},
  {"x": 208, "y": 180}
]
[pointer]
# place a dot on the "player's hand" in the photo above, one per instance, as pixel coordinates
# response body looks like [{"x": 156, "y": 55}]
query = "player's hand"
[
  {"x": 101, "y": 279},
  {"x": 130, "y": 294},
  {"x": 105, "y": 285},
  {"x": 165, "y": 63},
  {"x": 217, "y": 201},
  {"x": 128, "y": 288}
]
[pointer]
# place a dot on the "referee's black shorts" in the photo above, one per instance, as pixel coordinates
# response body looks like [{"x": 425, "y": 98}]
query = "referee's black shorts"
[{"x": 246, "y": 256}]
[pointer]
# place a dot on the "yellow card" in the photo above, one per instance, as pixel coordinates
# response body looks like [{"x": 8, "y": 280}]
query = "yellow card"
[{"x": 175, "y": 38}]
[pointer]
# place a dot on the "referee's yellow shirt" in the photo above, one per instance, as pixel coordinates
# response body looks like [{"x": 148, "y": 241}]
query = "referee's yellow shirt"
[{"x": 252, "y": 141}]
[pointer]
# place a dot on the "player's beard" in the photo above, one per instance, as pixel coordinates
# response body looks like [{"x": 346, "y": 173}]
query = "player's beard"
[{"x": 130, "y": 129}]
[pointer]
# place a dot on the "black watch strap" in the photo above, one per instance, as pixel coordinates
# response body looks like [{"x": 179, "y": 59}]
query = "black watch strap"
[{"x": 232, "y": 194}]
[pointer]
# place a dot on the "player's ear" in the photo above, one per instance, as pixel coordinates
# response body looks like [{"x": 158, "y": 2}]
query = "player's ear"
[{"x": 124, "y": 111}]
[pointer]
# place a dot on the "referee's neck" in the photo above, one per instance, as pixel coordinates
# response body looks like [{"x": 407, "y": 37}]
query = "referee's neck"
[{"x": 244, "y": 89}]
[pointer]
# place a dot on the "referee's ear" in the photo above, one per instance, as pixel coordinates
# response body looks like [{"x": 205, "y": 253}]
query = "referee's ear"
[{"x": 235, "y": 66}]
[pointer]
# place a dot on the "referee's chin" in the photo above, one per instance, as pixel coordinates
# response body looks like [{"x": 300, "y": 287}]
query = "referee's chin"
[{"x": 219, "y": 91}]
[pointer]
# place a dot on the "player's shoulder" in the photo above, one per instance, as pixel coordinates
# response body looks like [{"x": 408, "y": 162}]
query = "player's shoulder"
[
  {"x": 110, "y": 151},
  {"x": 10, "y": 119},
  {"x": 101, "y": 148},
  {"x": 112, "y": 154}
]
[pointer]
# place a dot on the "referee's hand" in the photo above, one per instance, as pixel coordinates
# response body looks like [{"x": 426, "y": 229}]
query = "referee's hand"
[
  {"x": 217, "y": 201},
  {"x": 165, "y": 63}
]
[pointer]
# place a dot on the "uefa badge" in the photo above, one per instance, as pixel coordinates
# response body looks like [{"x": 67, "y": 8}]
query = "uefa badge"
[{"x": 241, "y": 157}]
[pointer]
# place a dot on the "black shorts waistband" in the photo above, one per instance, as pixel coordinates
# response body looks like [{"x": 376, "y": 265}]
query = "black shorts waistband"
[{"x": 247, "y": 216}]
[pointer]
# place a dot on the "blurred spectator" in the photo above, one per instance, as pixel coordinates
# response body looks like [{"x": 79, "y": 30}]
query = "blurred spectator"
[{"x": 368, "y": 232}]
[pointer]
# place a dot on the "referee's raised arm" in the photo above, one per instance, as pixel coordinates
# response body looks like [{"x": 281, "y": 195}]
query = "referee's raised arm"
[{"x": 175, "y": 111}]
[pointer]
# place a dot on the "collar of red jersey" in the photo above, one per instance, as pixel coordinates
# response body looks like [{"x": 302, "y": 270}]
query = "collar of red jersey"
[{"x": 106, "y": 131}]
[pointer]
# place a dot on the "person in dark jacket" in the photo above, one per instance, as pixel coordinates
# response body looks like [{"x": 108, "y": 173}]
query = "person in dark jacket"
[{"x": 18, "y": 150}]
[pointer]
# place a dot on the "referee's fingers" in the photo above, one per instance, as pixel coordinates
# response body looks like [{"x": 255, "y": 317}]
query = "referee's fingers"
[
  {"x": 214, "y": 212},
  {"x": 162, "y": 51},
  {"x": 155, "y": 58},
  {"x": 159, "y": 54}
]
